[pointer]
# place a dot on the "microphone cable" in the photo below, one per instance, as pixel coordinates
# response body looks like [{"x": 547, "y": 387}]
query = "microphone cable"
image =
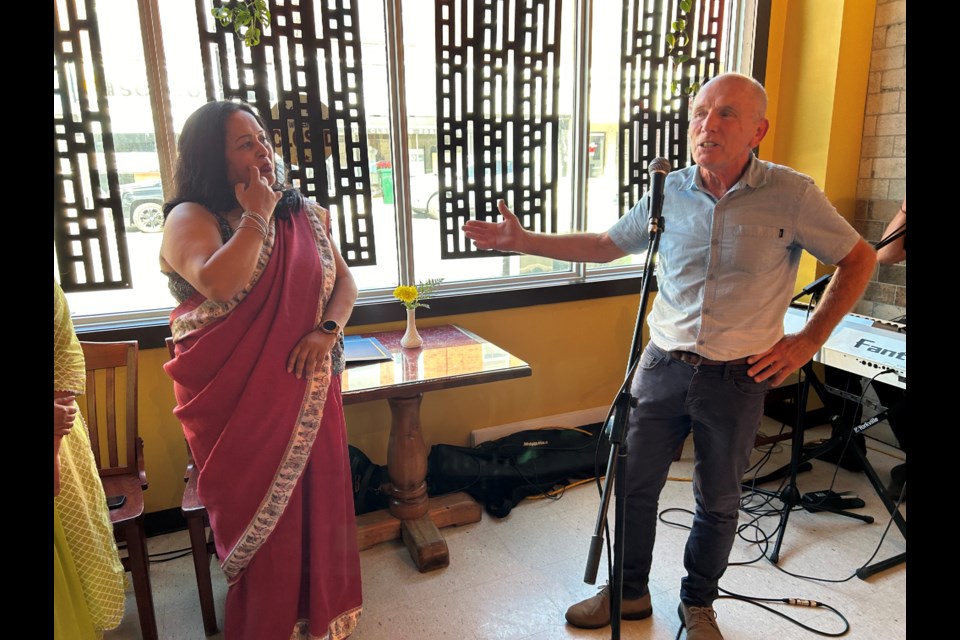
[{"x": 793, "y": 602}]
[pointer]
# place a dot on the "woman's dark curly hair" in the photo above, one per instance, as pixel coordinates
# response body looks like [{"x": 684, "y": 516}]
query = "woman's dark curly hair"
[{"x": 201, "y": 174}]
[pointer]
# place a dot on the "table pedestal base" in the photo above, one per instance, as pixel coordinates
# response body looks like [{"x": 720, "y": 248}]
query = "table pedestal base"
[
  {"x": 422, "y": 535},
  {"x": 425, "y": 544}
]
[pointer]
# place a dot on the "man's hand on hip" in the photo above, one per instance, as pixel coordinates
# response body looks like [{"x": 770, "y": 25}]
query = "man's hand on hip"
[{"x": 778, "y": 362}]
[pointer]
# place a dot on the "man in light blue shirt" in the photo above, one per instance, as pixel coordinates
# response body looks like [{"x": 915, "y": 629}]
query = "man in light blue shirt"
[{"x": 727, "y": 265}]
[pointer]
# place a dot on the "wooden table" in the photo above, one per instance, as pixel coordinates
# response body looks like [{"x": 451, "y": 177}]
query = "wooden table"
[{"x": 450, "y": 357}]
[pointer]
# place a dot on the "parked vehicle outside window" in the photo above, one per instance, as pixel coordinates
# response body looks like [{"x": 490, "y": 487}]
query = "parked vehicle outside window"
[{"x": 142, "y": 204}]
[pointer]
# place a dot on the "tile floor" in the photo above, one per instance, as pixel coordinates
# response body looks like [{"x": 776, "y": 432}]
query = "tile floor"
[{"x": 514, "y": 577}]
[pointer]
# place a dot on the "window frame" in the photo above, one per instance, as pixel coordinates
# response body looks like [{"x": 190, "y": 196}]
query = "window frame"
[{"x": 151, "y": 326}]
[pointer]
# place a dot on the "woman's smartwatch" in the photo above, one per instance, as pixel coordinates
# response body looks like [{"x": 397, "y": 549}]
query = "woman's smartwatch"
[{"x": 330, "y": 326}]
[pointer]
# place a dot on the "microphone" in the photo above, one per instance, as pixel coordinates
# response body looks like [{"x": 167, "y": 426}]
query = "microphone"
[{"x": 658, "y": 170}]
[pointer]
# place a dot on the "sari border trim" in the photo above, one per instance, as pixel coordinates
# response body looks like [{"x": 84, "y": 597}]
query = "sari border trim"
[
  {"x": 285, "y": 479},
  {"x": 210, "y": 311},
  {"x": 297, "y": 453},
  {"x": 342, "y": 626}
]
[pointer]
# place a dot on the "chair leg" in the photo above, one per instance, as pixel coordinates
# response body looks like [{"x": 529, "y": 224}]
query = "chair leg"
[
  {"x": 140, "y": 572},
  {"x": 201, "y": 565}
]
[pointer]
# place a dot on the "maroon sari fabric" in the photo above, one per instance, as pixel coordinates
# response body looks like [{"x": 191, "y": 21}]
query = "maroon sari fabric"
[{"x": 271, "y": 450}]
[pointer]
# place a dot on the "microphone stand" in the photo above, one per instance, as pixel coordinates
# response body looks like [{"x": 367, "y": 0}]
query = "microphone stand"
[
  {"x": 790, "y": 495},
  {"x": 617, "y": 461}
]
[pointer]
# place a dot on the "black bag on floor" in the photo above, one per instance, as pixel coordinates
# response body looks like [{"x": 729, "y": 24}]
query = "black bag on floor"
[
  {"x": 367, "y": 478},
  {"x": 501, "y": 473}
]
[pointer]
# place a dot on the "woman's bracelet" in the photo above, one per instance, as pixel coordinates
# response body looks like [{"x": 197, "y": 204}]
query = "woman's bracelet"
[
  {"x": 253, "y": 221},
  {"x": 256, "y": 219},
  {"x": 253, "y": 215},
  {"x": 254, "y": 226}
]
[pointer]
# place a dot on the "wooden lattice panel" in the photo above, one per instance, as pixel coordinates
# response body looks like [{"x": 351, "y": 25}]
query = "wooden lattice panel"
[
  {"x": 498, "y": 128},
  {"x": 89, "y": 240},
  {"x": 654, "y": 115},
  {"x": 310, "y": 59}
]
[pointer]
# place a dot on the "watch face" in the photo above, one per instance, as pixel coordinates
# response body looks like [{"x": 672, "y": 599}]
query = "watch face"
[{"x": 330, "y": 326}]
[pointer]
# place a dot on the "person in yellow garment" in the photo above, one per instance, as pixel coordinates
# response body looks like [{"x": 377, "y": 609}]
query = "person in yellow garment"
[{"x": 88, "y": 579}]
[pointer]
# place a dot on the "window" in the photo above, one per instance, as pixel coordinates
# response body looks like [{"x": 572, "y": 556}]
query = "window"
[{"x": 490, "y": 102}]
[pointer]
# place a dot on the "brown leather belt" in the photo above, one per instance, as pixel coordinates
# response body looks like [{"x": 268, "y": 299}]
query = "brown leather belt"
[{"x": 697, "y": 360}]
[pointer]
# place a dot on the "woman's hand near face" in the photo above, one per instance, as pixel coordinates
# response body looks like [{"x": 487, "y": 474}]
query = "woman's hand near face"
[
  {"x": 257, "y": 195},
  {"x": 193, "y": 247}
]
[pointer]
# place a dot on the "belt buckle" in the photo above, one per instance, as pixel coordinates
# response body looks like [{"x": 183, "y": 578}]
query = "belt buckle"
[{"x": 691, "y": 358}]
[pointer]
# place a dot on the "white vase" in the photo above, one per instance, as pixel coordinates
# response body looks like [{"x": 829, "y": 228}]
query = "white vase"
[{"x": 411, "y": 339}]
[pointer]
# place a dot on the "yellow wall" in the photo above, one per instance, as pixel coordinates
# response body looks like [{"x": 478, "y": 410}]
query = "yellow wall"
[
  {"x": 164, "y": 450},
  {"x": 578, "y": 350},
  {"x": 817, "y": 70}
]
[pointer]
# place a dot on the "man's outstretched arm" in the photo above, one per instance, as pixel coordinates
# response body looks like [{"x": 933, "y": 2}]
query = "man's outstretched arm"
[{"x": 509, "y": 235}]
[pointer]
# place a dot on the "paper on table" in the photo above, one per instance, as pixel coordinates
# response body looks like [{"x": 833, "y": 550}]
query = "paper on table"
[{"x": 360, "y": 349}]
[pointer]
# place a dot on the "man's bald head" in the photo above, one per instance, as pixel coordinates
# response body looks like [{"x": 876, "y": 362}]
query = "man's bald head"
[
  {"x": 758, "y": 95},
  {"x": 726, "y": 123}
]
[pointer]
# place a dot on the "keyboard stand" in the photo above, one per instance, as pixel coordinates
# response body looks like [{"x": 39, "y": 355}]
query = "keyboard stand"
[
  {"x": 789, "y": 495},
  {"x": 800, "y": 458},
  {"x": 892, "y": 507},
  {"x": 843, "y": 441}
]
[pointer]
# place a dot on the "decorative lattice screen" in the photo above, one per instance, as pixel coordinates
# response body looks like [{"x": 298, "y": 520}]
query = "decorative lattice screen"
[
  {"x": 654, "y": 99},
  {"x": 89, "y": 240},
  {"x": 306, "y": 80},
  {"x": 498, "y": 129}
]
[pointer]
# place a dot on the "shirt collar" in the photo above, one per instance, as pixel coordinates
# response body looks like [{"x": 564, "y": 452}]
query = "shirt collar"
[
  {"x": 691, "y": 179},
  {"x": 756, "y": 174},
  {"x": 754, "y": 177}
]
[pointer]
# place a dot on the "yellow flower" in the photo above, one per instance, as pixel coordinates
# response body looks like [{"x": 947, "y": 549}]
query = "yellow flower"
[{"x": 405, "y": 294}]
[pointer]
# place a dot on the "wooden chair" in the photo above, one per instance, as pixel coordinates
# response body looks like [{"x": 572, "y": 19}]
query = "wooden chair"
[
  {"x": 202, "y": 546},
  {"x": 121, "y": 475}
]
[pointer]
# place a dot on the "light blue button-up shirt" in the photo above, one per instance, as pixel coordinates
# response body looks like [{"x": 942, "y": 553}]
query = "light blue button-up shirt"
[{"x": 726, "y": 268}]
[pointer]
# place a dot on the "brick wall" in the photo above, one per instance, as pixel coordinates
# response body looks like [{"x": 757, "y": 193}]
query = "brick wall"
[{"x": 882, "y": 183}]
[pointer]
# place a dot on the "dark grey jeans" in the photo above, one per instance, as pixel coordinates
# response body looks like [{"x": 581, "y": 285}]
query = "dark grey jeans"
[{"x": 723, "y": 406}]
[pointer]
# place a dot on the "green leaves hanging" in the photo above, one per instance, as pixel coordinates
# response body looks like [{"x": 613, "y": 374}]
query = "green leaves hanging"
[
  {"x": 244, "y": 17},
  {"x": 677, "y": 41}
]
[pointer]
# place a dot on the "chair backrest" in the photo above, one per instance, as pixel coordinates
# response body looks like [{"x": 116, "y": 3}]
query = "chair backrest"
[{"x": 110, "y": 407}]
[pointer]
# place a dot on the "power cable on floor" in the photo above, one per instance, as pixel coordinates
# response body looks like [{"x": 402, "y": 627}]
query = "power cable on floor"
[{"x": 160, "y": 554}]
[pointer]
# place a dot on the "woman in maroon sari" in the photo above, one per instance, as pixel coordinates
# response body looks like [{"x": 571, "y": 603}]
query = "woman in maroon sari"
[{"x": 263, "y": 296}]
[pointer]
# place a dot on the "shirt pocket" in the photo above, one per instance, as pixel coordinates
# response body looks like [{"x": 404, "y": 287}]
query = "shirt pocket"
[{"x": 759, "y": 248}]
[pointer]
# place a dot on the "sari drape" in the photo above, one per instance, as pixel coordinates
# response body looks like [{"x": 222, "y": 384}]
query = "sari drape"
[
  {"x": 271, "y": 451},
  {"x": 88, "y": 578}
]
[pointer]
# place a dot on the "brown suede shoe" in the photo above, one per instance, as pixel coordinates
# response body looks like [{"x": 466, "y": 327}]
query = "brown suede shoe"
[
  {"x": 594, "y": 612},
  {"x": 701, "y": 622}
]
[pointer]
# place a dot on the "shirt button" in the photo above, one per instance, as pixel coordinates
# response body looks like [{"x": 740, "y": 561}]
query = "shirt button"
[
  {"x": 711, "y": 277},
  {"x": 699, "y": 341}
]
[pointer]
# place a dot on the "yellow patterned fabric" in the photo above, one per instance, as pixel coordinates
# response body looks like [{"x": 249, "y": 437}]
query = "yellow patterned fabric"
[
  {"x": 69, "y": 620},
  {"x": 69, "y": 372},
  {"x": 87, "y": 575}
]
